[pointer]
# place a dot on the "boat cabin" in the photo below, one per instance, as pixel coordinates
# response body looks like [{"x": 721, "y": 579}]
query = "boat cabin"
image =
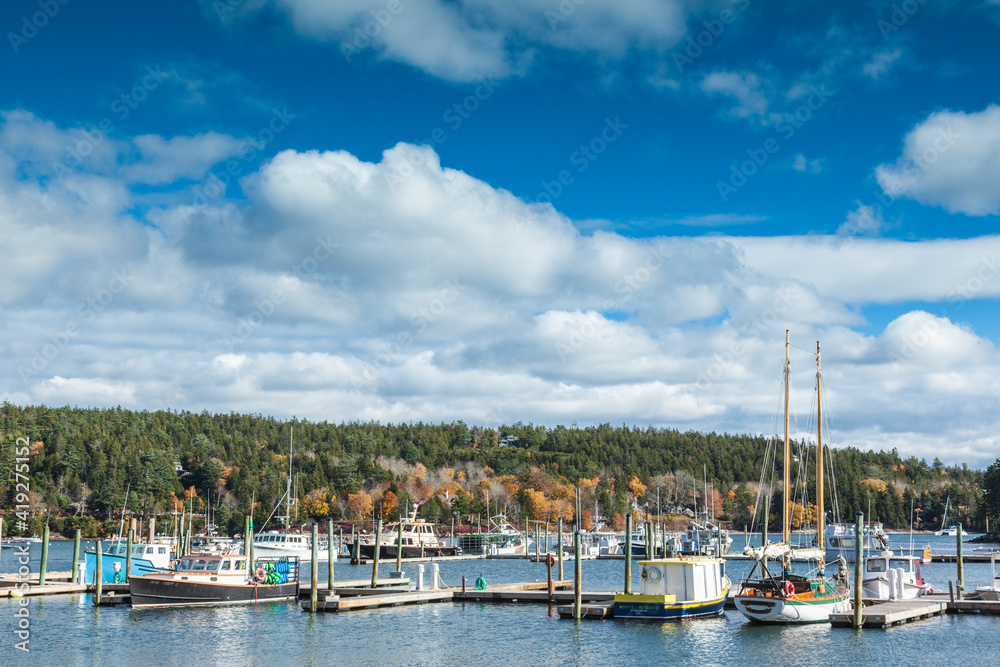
[
  {"x": 684, "y": 578},
  {"x": 282, "y": 540}
]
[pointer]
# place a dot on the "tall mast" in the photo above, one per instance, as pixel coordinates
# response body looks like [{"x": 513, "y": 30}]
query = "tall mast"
[
  {"x": 819, "y": 450},
  {"x": 785, "y": 496},
  {"x": 288, "y": 489}
]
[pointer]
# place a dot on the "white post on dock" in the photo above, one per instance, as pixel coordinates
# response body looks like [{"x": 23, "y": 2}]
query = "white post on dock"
[
  {"x": 578, "y": 578},
  {"x": 628, "y": 553},
  {"x": 961, "y": 564},
  {"x": 314, "y": 570},
  {"x": 858, "y": 567},
  {"x": 560, "y": 548}
]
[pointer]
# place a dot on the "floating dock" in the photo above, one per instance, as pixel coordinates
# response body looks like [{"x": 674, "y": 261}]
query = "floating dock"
[{"x": 881, "y": 615}]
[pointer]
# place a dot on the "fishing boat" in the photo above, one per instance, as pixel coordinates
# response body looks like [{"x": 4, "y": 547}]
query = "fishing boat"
[
  {"x": 706, "y": 539},
  {"x": 991, "y": 589},
  {"x": 769, "y": 595},
  {"x": 418, "y": 541},
  {"x": 676, "y": 589},
  {"x": 838, "y": 540},
  {"x": 204, "y": 579},
  {"x": 890, "y": 577},
  {"x": 499, "y": 539},
  {"x": 274, "y": 543}
]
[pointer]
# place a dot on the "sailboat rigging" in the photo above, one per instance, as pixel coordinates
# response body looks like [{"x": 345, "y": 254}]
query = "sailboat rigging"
[{"x": 785, "y": 597}]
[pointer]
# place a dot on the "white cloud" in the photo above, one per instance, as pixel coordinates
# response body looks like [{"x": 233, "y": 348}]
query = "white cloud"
[
  {"x": 464, "y": 41},
  {"x": 804, "y": 165},
  {"x": 743, "y": 87},
  {"x": 864, "y": 220},
  {"x": 162, "y": 160},
  {"x": 882, "y": 62},
  {"x": 950, "y": 159},
  {"x": 404, "y": 290}
]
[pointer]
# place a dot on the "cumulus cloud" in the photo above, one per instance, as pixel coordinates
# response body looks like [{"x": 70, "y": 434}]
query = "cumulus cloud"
[
  {"x": 950, "y": 159},
  {"x": 881, "y": 63},
  {"x": 401, "y": 289}
]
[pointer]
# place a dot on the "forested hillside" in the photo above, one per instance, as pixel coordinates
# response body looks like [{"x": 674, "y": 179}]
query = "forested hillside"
[{"x": 82, "y": 461}]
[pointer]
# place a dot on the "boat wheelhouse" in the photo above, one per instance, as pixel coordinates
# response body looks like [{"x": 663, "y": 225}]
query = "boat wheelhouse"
[
  {"x": 838, "y": 540},
  {"x": 676, "y": 589},
  {"x": 205, "y": 579},
  {"x": 890, "y": 577},
  {"x": 273, "y": 543}
]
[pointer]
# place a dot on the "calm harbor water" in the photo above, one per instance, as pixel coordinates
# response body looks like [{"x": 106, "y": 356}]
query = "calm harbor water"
[{"x": 68, "y": 630}]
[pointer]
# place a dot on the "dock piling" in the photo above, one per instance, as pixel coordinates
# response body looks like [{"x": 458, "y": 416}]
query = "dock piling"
[
  {"x": 76, "y": 557},
  {"x": 314, "y": 577},
  {"x": 378, "y": 548},
  {"x": 858, "y": 567},
  {"x": 560, "y": 548},
  {"x": 628, "y": 554},
  {"x": 961, "y": 565},
  {"x": 538, "y": 540},
  {"x": 45, "y": 555},
  {"x": 399, "y": 546},
  {"x": 578, "y": 576},
  {"x": 129, "y": 541},
  {"x": 246, "y": 536},
  {"x": 98, "y": 572},
  {"x": 330, "y": 555}
]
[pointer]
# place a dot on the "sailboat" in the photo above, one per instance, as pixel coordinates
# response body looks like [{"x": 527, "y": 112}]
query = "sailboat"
[
  {"x": 950, "y": 531},
  {"x": 767, "y": 596}
]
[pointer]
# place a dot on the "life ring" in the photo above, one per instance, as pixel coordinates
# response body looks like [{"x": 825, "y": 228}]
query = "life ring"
[
  {"x": 551, "y": 560},
  {"x": 789, "y": 588},
  {"x": 260, "y": 575}
]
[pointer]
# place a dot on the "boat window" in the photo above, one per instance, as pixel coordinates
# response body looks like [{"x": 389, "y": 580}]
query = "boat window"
[
  {"x": 185, "y": 564},
  {"x": 212, "y": 565},
  {"x": 199, "y": 565},
  {"x": 877, "y": 565},
  {"x": 137, "y": 551},
  {"x": 226, "y": 565},
  {"x": 161, "y": 550},
  {"x": 241, "y": 565},
  {"x": 900, "y": 562}
]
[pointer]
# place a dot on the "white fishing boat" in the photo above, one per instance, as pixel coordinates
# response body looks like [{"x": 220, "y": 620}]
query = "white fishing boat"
[
  {"x": 703, "y": 539},
  {"x": 203, "y": 579},
  {"x": 990, "y": 590},
  {"x": 676, "y": 589},
  {"x": 839, "y": 540},
  {"x": 769, "y": 595},
  {"x": 146, "y": 559},
  {"x": 274, "y": 543},
  {"x": 499, "y": 539},
  {"x": 890, "y": 577}
]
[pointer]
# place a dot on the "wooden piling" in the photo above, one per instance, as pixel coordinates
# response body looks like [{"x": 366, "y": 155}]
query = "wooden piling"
[
  {"x": 961, "y": 565},
  {"x": 578, "y": 576},
  {"x": 859, "y": 565},
  {"x": 45, "y": 555},
  {"x": 378, "y": 548},
  {"x": 546, "y": 537},
  {"x": 527, "y": 553},
  {"x": 340, "y": 542},
  {"x": 399, "y": 546},
  {"x": 649, "y": 540},
  {"x": 452, "y": 530},
  {"x": 538, "y": 540},
  {"x": 98, "y": 572},
  {"x": 628, "y": 554},
  {"x": 314, "y": 576},
  {"x": 560, "y": 549},
  {"x": 76, "y": 557},
  {"x": 130, "y": 540},
  {"x": 330, "y": 555}
]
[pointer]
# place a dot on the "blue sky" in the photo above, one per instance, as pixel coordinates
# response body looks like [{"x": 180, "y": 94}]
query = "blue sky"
[{"x": 501, "y": 211}]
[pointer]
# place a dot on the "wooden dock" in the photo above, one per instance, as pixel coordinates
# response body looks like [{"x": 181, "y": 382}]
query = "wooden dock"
[
  {"x": 588, "y": 611},
  {"x": 881, "y": 615},
  {"x": 376, "y": 599}
]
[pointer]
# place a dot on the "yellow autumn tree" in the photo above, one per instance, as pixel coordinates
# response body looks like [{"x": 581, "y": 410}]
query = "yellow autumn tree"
[
  {"x": 315, "y": 504},
  {"x": 535, "y": 504},
  {"x": 390, "y": 505},
  {"x": 636, "y": 488},
  {"x": 360, "y": 504}
]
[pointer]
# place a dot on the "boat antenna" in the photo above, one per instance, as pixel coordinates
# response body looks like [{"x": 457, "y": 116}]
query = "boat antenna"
[
  {"x": 121, "y": 524},
  {"x": 785, "y": 499}
]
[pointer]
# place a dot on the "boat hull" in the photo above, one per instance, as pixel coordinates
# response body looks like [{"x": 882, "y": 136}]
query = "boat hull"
[
  {"x": 760, "y": 609},
  {"x": 152, "y": 591},
  {"x": 680, "y": 611}
]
